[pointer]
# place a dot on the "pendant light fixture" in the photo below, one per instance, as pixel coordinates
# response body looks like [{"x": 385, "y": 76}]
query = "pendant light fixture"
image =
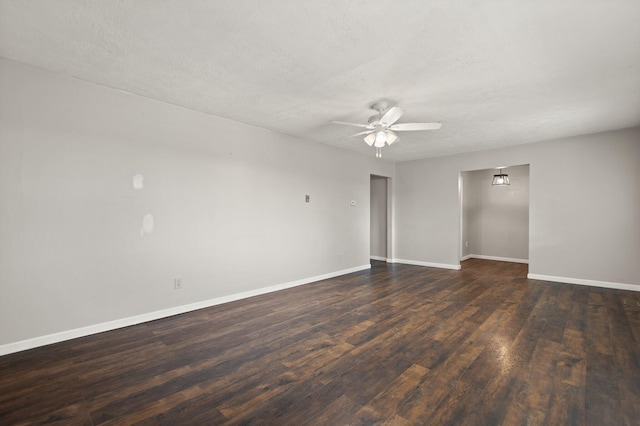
[{"x": 501, "y": 179}]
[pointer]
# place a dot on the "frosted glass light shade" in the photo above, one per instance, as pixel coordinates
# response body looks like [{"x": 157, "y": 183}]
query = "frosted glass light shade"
[
  {"x": 381, "y": 138},
  {"x": 370, "y": 139},
  {"x": 391, "y": 137}
]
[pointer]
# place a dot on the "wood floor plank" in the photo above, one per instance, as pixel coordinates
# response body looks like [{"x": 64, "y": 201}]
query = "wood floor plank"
[
  {"x": 566, "y": 405},
  {"x": 394, "y": 345},
  {"x": 386, "y": 403},
  {"x": 603, "y": 402}
]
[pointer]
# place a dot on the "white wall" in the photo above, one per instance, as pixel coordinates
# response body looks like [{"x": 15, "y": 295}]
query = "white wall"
[
  {"x": 378, "y": 224},
  {"x": 584, "y": 206},
  {"x": 496, "y": 218},
  {"x": 227, "y": 199}
]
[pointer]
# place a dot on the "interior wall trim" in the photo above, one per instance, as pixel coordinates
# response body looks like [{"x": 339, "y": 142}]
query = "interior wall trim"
[
  {"x": 381, "y": 258},
  {"x": 151, "y": 316},
  {"x": 580, "y": 281},
  {"x": 498, "y": 258},
  {"x": 421, "y": 263}
]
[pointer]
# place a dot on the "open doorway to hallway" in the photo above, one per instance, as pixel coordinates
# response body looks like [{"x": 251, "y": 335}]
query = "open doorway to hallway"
[{"x": 379, "y": 219}]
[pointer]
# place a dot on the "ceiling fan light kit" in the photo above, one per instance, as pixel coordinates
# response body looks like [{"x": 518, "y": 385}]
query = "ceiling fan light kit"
[{"x": 381, "y": 127}]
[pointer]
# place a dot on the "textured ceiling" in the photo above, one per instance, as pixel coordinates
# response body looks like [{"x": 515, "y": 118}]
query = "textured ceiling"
[{"x": 495, "y": 73}]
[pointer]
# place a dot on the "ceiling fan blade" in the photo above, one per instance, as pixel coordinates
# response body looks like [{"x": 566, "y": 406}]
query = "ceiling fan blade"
[
  {"x": 358, "y": 134},
  {"x": 366, "y": 126},
  {"x": 391, "y": 116},
  {"x": 415, "y": 126}
]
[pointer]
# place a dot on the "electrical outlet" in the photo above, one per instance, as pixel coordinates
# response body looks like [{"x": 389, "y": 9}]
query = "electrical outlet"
[{"x": 177, "y": 283}]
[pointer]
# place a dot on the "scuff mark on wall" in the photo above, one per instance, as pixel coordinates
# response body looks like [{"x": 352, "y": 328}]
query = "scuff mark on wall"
[
  {"x": 138, "y": 182},
  {"x": 147, "y": 225}
]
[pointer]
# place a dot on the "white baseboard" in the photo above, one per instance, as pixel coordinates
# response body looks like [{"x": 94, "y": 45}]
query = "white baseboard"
[
  {"x": 383, "y": 259},
  {"x": 151, "y": 316},
  {"x": 469, "y": 256},
  {"x": 498, "y": 258},
  {"x": 580, "y": 281},
  {"x": 420, "y": 263}
]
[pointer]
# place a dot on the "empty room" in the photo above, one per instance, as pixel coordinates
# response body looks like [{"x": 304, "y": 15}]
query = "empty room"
[{"x": 319, "y": 213}]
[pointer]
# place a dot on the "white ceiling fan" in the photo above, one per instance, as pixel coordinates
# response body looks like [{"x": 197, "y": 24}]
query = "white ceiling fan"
[{"x": 381, "y": 128}]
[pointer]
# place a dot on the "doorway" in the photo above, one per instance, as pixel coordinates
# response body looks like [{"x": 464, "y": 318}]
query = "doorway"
[
  {"x": 494, "y": 219},
  {"x": 379, "y": 219}
]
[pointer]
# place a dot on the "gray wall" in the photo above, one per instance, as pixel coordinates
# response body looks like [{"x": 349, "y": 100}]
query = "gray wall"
[
  {"x": 378, "y": 224},
  {"x": 584, "y": 205},
  {"x": 496, "y": 218},
  {"x": 227, "y": 201}
]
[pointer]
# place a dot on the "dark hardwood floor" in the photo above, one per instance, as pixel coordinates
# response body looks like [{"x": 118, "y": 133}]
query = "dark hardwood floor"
[{"x": 399, "y": 344}]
